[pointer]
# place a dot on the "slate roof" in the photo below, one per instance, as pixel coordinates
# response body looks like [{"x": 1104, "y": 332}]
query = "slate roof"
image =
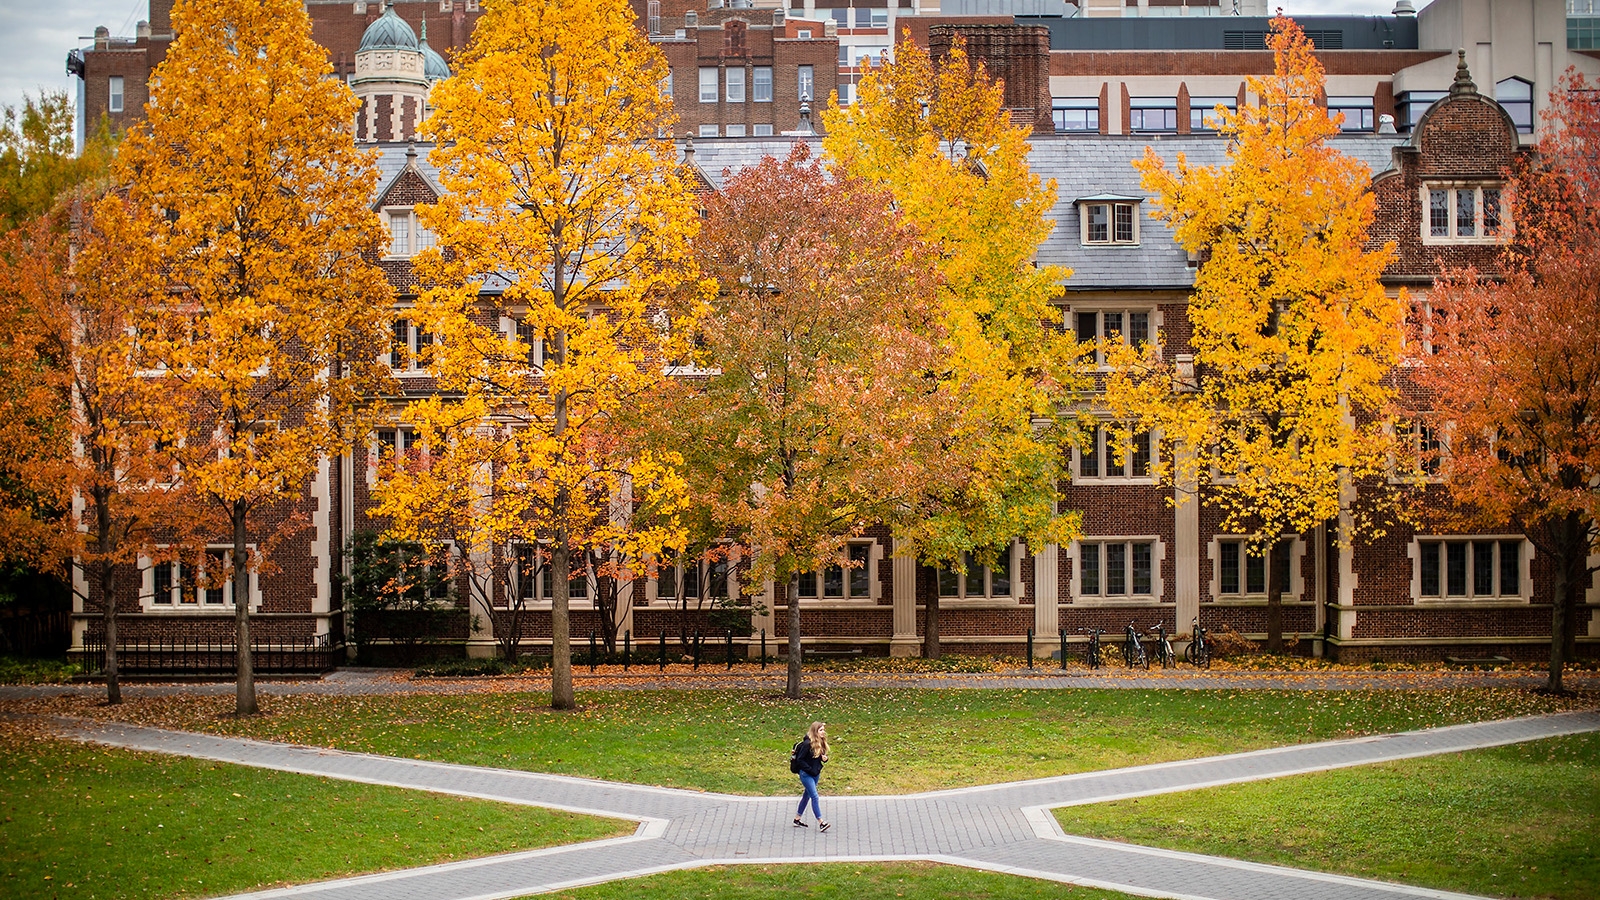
[{"x": 1082, "y": 166}]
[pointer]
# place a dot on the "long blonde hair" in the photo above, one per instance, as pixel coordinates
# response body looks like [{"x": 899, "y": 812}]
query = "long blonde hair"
[{"x": 819, "y": 742}]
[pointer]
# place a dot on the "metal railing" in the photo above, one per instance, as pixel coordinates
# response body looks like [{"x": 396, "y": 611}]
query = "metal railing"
[{"x": 207, "y": 659}]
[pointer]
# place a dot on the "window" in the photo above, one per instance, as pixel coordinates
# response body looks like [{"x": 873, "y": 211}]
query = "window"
[
  {"x": 114, "y": 104},
  {"x": 1411, "y": 105},
  {"x": 666, "y": 82},
  {"x": 1469, "y": 568},
  {"x": 1116, "y": 568},
  {"x": 735, "y": 88},
  {"x": 1153, "y": 115},
  {"x": 1357, "y": 112},
  {"x": 652, "y": 12},
  {"x": 1123, "y": 325},
  {"x": 735, "y": 131},
  {"x": 1080, "y": 114},
  {"x": 1203, "y": 112},
  {"x": 708, "y": 84},
  {"x": 839, "y": 583},
  {"x": 693, "y": 581},
  {"x": 762, "y": 130},
  {"x": 410, "y": 342},
  {"x": 1430, "y": 448},
  {"x": 1516, "y": 96},
  {"x": 191, "y": 584},
  {"x": 1106, "y": 222},
  {"x": 803, "y": 76},
  {"x": 803, "y": 34},
  {"x": 845, "y": 57},
  {"x": 1242, "y": 570},
  {"x": 761, "y": 84},
  {"x": 528, "y": 333},
  {"x": 391, "y": 442},
  {"x": 708, "y": 131},
  {"x": 532, "y": 580},
  {"x": 407, "y": 237},
  {"x": 1463, "y": 213},
  {"x": 1099, "y": 457},
  {"x": 979, "y": 581}
]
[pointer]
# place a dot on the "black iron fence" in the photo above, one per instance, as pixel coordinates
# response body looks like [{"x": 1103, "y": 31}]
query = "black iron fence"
[{"x": 205, "y": 659}]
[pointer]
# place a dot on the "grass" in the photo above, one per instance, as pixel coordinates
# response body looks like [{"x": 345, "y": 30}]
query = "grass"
[
  {"x": 27, "y": 670},
  {"x": 837, "y": 881},
  {"x": 1515, "y": 821},
  {"x": 82, "y": 821},
  {"x": 886, "y": 741}
]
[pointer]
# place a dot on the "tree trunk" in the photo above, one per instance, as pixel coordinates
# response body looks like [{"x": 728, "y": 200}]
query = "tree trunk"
[
  {"x": 792, "y": 687},
  {"x": 245, "y": 686},
  {"x": 930, "y": 626},
  {"x": 560, "y": 625},
  {"x": 1558, "y": 628},
  {"x": 108, "y": 594},
  {"x": 1274, "y": 601}
]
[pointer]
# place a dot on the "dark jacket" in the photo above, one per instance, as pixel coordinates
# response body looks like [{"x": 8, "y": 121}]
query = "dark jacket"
[{"x": 809, "y": 764}]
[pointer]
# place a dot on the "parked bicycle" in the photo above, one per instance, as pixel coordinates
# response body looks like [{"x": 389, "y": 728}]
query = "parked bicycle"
[
  {"x": 1199, "y": 652},
  {"x": 1163, "y": 647},
  {"x": 1132, "y": 650},
  {"x": 1091, "y": 654}
]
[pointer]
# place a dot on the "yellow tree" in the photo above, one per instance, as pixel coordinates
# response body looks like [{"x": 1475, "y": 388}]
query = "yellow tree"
[
  {"x": 564, "y": 215},
  {"x": 1293, "y": 332},
  {"x": 249, "y": 199},
  {"x": 937, "y": 137}
]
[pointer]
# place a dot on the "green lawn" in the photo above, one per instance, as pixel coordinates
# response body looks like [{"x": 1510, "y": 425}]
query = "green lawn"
[
  {"x": 837, "y": 881},
  {"x": 885, "y": 740},
  {"x": 1516, "y": 821},
  {"x": 82, "y": 821}
]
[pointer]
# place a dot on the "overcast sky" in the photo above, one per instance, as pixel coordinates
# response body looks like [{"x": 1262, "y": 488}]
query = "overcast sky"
[{"x": 35, "y": 36}]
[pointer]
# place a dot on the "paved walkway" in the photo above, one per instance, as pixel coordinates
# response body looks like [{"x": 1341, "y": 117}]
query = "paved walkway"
[{"x": 1001, "y": 828}]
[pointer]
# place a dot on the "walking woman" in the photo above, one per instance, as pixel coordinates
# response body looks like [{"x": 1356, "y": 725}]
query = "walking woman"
[{"x": 810, "y": 754}]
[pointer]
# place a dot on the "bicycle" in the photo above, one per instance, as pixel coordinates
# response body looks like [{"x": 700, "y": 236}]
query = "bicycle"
[
  {"x": 1199, "y": 652},
  {"x": 1163, "y": 647},
  {"x": 1132, "y": 650},
  {"x": 1091, "y": 654}
]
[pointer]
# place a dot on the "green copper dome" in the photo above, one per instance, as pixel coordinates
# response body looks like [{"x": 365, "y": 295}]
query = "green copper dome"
[
  {"x": 389, "y": 32},
  {"x": 434, "y": 68}
]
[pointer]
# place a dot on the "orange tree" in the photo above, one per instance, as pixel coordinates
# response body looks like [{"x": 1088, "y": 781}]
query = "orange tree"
[
  {"x": 1515, "y": 370},
  {"x": 937, "y": 138},
  {"x": 1293, "y": 331},
  {"x": 564, "y": 216},
  {"x": 819, "y": 415},
  {"x": 249, "y": 201}
]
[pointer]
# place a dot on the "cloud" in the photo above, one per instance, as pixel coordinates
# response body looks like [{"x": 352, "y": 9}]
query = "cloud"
[{"x": 35, "y": 38}]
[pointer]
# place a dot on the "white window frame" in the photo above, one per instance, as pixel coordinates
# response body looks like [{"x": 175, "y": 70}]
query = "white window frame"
[
  {"x": 1158, "y": 582},
  {"x": 850, "y": 598},
  {"x": 541, "y": 599},
  {"x": 1153, "y": 318},
  {"x": 115, "y": 94},
  {"x": 708, "y": 84},
  {"x": 1294, "y": 593},
  {"x": 1525, "y": 554},
  {"x": 761, "y": 84},
  {"x": 1138, "y": 106},
  {"x": 410, "y": 356},
  {"x": 1451, "y": 189},
  {"x": 1013, "y": 554},
  {"x": 417, "y": 238},
  {"x": 652, "y": 586},
  {"x": 176, "y": 605},
  {"x": 761, "y": 130},
  {"x": 734, "y": 131},
  {"x": 1103, "y": 437},
  {"x": 733, "y": 84},
  {"x": 1112, "y": 208},
  {"x": 515, "y": 327}
]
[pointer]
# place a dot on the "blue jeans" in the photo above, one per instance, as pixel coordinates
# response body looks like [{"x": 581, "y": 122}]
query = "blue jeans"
[{"x": 809, "y": 782}]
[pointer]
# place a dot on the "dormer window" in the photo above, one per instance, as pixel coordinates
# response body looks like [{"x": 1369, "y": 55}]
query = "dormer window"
[
  {"x": 407, "y": 237},
  {"x": 1463, "y": 214},
  {"x": 1109, "y": 219}
]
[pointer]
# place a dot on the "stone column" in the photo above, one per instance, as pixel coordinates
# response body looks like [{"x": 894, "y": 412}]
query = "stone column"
[
  {"x": 1047, "y": 600},
  {"x": 905, "y": 641}
]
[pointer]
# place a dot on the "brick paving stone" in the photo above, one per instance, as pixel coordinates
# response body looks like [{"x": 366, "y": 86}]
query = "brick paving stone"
[{"x": 998, "y": 827}]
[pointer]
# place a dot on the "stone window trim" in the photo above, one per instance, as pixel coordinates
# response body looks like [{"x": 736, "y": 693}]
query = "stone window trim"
[
  {"x": 1295, "y": 593},
  {"x": 1158, "y": 586},
  {"x": 407, "y": 237},
  {"x": 652, "y": 586},
  {"x": 874, "y": 592},
  {"x": 392, "y": 438},
  {"x": 177, "y": 606},
  {"x": 1076, "y": 314},
  {"x": 1471, "y": 598},
  {"x": 410, "y": 338},
  {"x": 989, "y": 599},
  {"x": 1483, "y": 232},
  {"x": 541, "y": 600},
  {"x": 1418, "y": 439},
  {"x": 1132, "y": 461},
  {"x": 1109, "y": 220},
  {"x": 514, "y": 325}
]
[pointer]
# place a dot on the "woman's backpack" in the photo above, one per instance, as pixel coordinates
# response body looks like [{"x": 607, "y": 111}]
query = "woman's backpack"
[{"x": 794, "y": 757}]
